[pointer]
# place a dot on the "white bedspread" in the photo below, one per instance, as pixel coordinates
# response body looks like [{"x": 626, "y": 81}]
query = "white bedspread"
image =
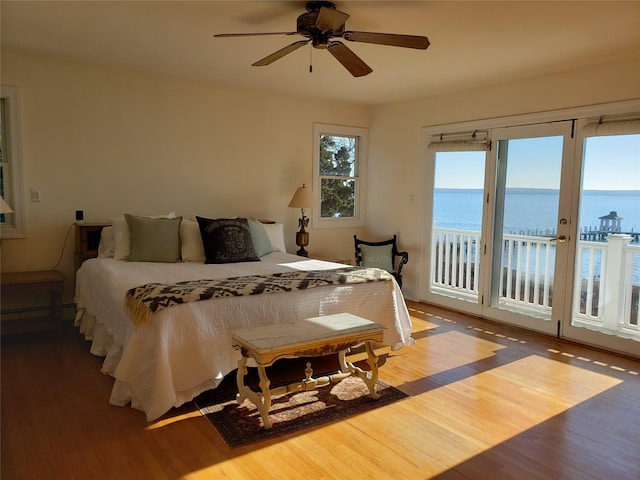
[{"x": 186, "y": 349}]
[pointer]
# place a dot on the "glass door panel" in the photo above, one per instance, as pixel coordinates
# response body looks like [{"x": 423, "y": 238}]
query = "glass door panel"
[
  {"x": 458, "y": 200},
  {"x": 607, "y": 260},
  {"x": 530, "y": 243}
]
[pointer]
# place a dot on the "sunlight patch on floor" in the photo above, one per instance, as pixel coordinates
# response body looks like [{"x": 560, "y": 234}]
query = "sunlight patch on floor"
[
  {"x": 455, "y": 349},
  {"x": 421, "y": 324},
  {"x": 595, "y": 362},
  {"x": 415, "y": 311},
  {"x": 511, "y": 338},
  {"x": 168, "y": 420},
  {"x": 503, "y": 402}
]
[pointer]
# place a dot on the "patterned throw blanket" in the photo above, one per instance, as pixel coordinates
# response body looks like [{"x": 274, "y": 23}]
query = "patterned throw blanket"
[{"x": 141, "y": 302}]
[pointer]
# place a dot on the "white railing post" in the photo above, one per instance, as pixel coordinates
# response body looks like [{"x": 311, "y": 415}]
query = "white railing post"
[{"x": 614, "y": 282}]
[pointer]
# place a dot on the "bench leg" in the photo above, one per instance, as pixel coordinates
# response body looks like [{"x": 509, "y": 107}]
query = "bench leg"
[
  {"x": 262, "y": 401},
  {"x": 370, "y": 378},
  {"x": 265, "y": 405}
]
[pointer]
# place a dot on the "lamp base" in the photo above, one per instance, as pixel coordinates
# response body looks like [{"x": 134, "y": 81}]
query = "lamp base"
[{"x": 302, "y": 240}]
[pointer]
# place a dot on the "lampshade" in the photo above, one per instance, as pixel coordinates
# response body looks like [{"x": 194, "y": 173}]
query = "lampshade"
[
  {"x": 4, "y": 207},
  {"x": 303, "y": 198}
]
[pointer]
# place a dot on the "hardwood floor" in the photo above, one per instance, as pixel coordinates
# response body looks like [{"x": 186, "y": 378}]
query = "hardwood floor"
[{"x": 487, "y": 402}]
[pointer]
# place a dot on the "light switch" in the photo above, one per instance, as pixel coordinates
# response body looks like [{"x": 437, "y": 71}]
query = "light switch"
[{"x": 35, "y": 195}]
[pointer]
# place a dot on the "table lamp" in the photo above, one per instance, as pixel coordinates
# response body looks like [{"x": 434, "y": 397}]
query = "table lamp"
[{"x": 303, "y": 198}]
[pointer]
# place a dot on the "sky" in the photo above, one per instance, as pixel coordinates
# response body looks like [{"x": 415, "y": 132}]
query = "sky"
[{"x": 610, "y": 163}]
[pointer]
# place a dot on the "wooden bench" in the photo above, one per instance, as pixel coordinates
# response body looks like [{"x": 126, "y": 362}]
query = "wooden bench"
[
  {"x": 50, "y": 281},
  {"x": 311, "y": 337}
]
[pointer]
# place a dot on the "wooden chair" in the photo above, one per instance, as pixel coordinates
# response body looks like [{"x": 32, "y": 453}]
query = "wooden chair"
[{"x": 384, "y": 255}]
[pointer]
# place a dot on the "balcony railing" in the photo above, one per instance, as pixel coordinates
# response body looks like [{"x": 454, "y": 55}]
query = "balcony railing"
[
  {"x": 455, "y": 259},
  {"x": 526, "y": 279},
  {"x": 606, "y": 298},
  {"x": 606, "y": 288}
]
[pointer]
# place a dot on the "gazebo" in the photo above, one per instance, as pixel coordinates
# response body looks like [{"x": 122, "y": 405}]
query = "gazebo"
[{"x": 611, "y": 223}]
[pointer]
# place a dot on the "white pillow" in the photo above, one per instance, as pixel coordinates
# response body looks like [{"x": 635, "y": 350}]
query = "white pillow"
[
  {"x": 275, "y": 232},
  {"x": 121, "y": 234},
  {"x": 191, "y": 240},
  {"x": 107, "y": 246}
]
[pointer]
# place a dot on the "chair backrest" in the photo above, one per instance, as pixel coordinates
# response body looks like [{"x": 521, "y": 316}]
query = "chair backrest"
[
  {"x": 383, "y": 254},
  {"x": 375, "y": 254}
]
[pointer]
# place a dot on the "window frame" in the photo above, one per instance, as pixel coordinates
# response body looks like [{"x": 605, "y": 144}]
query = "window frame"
[
  {"x": 13, "y": 150},
  {"x": 360, "y": 175}
]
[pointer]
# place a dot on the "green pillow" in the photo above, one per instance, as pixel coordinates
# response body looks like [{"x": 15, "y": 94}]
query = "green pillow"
[
  {"x": 377, "y": 256},
  {"x": 153, "y": 239},
  {"x": 261, "y": 242}
]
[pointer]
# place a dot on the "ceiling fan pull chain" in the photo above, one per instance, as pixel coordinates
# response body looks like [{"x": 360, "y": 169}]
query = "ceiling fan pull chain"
[{"x": 310, "y": 60}]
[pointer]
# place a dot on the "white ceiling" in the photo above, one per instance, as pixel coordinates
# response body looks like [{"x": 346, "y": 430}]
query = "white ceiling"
[{"x": 472, "y": 43}]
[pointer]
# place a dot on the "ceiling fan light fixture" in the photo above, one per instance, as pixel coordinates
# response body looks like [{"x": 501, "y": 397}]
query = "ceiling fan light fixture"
[{"x": 320, "y": 41}]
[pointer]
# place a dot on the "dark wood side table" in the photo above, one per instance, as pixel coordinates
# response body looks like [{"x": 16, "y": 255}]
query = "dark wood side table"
[
  {"x": 51, "y": 281},
  {"x": 87, "y": 241}
]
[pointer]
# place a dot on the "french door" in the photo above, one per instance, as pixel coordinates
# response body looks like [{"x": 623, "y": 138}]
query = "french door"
[
  {"x": 605, "y": 269},
  {"x": 527, "y": 232},
  {"x": 539, "y": 230},
  {"x": 500, "y": 227}
]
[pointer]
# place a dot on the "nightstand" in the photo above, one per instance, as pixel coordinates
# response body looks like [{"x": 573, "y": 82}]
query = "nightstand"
[
  {"x": 87, "y": 241},
  {"x": 29, "y": 283}
]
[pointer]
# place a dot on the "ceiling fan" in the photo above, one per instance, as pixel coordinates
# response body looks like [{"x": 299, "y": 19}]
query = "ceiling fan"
[{"x": 321, "y": 24}]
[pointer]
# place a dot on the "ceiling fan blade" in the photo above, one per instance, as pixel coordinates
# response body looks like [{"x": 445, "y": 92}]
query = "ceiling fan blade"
[
  {"x": 269, "y": 59},
  {"x": 349, "y": 60},
  {"x": 392, "y": 39},
  {"x": 330, "y": 19},
  {"x": 222, "y": 35}
]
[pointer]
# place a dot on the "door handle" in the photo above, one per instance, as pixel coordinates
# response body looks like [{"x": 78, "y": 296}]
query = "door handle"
[{"x": 559, "y": 238}]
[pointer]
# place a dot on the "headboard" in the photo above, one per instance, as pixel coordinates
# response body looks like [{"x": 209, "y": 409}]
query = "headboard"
[{"x": 88, "y": 240}]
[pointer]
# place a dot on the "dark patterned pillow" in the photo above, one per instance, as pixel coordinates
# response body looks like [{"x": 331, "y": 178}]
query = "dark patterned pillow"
[{"x": 226, "y": 240}]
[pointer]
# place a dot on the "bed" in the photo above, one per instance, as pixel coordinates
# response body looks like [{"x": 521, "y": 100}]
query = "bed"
[{"x": 185, "y": 349}]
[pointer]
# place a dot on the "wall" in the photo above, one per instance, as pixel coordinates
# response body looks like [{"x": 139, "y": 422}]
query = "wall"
[
  {"x": 397, "y": 149},
  {"x": 109, "y": 141}
]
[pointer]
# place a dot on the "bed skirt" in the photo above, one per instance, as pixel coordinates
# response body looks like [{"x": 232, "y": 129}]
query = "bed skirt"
[{"x": 103, "y": 345}]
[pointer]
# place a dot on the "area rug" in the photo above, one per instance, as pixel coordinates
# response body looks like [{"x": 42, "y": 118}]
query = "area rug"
[{"x": 241, "y": 424}]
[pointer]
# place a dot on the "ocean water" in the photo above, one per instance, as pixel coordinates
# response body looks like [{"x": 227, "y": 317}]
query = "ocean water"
[
  {"x": 530, "y": 209},
  {"x": 534, "y": 211}
]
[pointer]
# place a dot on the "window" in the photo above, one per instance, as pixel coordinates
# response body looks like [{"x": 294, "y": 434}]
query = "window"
[
  {"x": 339, "y": 175},
  {"x": 12, "y": 224}
]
